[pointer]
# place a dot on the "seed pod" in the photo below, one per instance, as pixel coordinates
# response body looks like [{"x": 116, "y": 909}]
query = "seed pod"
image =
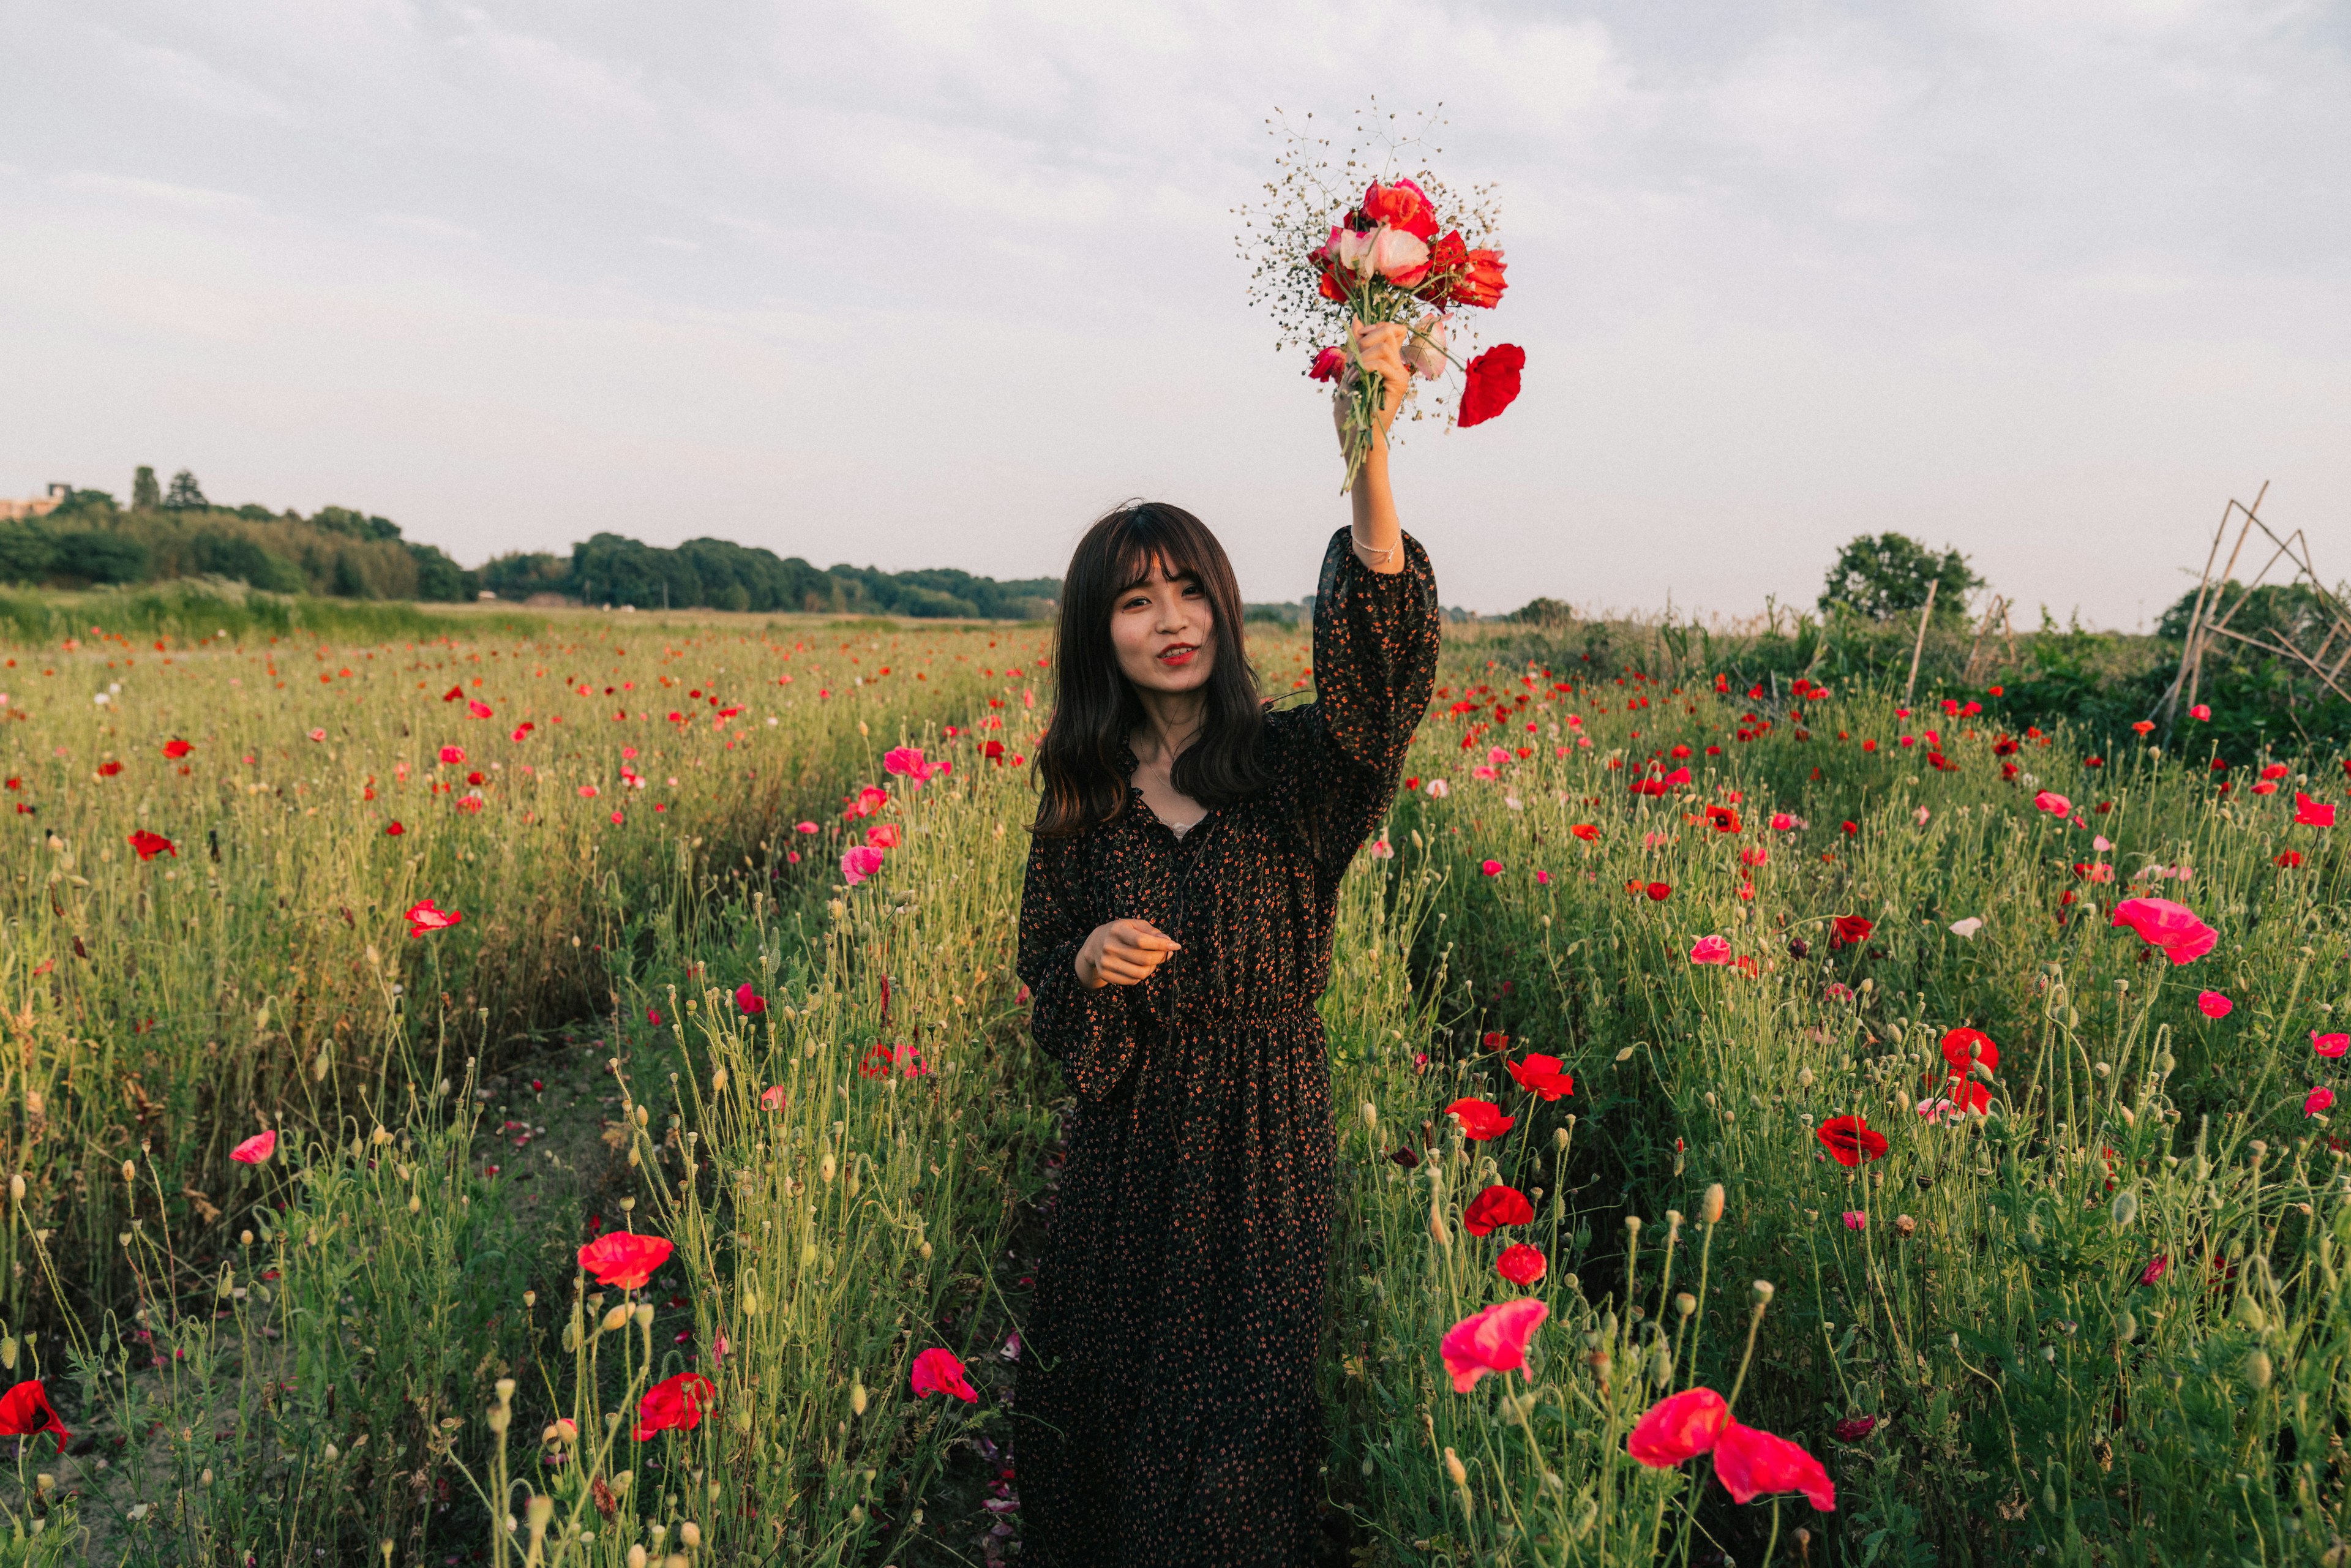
[{"x": 1684, "y": 1303}]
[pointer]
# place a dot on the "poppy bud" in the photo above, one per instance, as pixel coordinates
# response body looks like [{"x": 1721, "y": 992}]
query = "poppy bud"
[
  {"x": 2258, "y": 1370},
  {"x": 1558, "y": 1138},
  {"x": 857, "y": 1398},
  {"x": 2126, "y": 1328},
  {"x": 8, "y": 1353},
  {"x": 689, "y": 1534},
  {"x": 637, "y": 1558},
  {"x": 718, "y": 1081},
  {"x": 751, "y": 1300},
  {"x": 615, "y": 1320},
  {"x": 1710, "y": 1208},
  {"x": 415, "y": 1204},
  {"x": 645, "y": 1314},
  {"x": 1371, "y": 1115},
  {"x": 1454, "y": 1470},
  {"x": 1436, "y": 1227},
  {"x": 826, "y": 1168},
  {"x": 2125, "y": 1209},
  {"x": 506, "y": 1387},
  {"x": 129, "y": 1171},
  {"x": 16, "y": 1189}
]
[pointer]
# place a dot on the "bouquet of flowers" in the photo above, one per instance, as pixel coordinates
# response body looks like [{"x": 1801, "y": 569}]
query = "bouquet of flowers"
[{"x": 1404, "y": 251}]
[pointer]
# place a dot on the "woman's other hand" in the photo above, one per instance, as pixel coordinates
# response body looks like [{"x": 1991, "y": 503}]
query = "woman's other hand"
[
  {"x": 1379, "y": 351},
  {"x": 1122, "y": 953}
]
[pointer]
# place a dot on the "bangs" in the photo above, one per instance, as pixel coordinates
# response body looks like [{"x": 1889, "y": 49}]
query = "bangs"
[{"x": 1144, "y": 541}]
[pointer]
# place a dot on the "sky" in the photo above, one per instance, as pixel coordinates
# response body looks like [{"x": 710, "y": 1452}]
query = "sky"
[{"x": 929, "y": 284}]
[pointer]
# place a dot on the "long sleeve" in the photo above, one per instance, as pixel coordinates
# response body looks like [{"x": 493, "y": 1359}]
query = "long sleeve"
[
  {"x": 1089, "y": 1032},
  {"x": 1375, "y": 648}
]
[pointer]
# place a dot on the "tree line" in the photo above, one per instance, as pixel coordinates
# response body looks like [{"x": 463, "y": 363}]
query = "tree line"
[{"x": 91, "y": 539}]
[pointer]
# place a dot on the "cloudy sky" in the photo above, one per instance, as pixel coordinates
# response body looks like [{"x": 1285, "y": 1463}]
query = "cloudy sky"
[{"x": 916, "y": 284}]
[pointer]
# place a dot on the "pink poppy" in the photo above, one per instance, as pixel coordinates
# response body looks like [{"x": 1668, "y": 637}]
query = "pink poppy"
[
  {"x": 2317, "y": 1100},
  {"x": 2154, "y": 1270},
  {"x": 422, "y": 917},
  {"x": 1492, "y": 1341},
  {"x": 2171, "y": 926},
  {"x": 2329, "y": 1045},
  {"x": 774, "y": 1097},
  {"x": 1711, "y": 950},
  {"x": 1783, "y": 823},
  {"x": 1855, "y": 1219},
  {"x": 1519, "y": 1263},
  {"x": 624, "y": 1259},
  {"x": 453, "y": 756},
  {"x": 2312, "y": 813},
  {"x": 1491, "y": 868},
  {"x": 256, "y": 1149},
  {"x": 941, "y": 1372},
  {"x": 478, "y": 709},
  {"x": 2213, "y": 1004},
  {"x": 860, "y": 862},
  {"x": 2201, "y": 713},
  {"x": 804, "y": 828},
  {"x": 2054, "y": 803},
  {"x": 1678, "y": 1428},
  {"x": 1753, "y": 1464}
]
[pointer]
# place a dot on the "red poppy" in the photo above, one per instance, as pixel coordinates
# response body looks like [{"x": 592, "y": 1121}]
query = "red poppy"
[
  {"x": 1962, "y": 1048},
  {"x": 1585, "y": 832},
  {"x": 676, "y": 1405},
  {"x": 1540, "y": 1074},
  {"x": 752, "y": 1003},
  {"x": 1480, "y": 1120},
  {"x": 1851, "y": 1140},
  {"x": 883, "y": 836},
  {"x": 1492, "y": 383},
  {"x": 1850, "y": 930},
  {"x": 25, "y": 1410},
  {"x": 941, "y": 1372},
  {"x": 1853, "y": 1428},
  {"x": 1752, "y": 1464},
  {"x": 422, "y": 917},
  {"x": 1521, "y": 1264},
  {"x": 624, "y": 1259},
  {"x": 1659, "y": 892},
  {"x": 1678, "y": 1428},
  {"x": 2155, "y": 1270},
  {"x": 453, "y": 694},
  {"x": 1494, "y": 1039},
  {"x": 149, "y": 845},
  {"x": 1480, "y": 281},
  {"x": 1496, "y": 1207},
  {"x": 109, "y": 770},
  {"x": 1724, "y": 818},
  {"x": 175, "y": 750},
  {"x": 392, "y": 829}
]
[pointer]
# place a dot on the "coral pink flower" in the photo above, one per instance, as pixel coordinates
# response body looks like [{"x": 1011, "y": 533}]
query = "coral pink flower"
[
  {"x": 2317, "y": 1100},
  {"x": 750, "y": 1001},
  {"x": 1753, "y": 1464},
  {"x": 256, "y": 1149},
  {"x": 1519, "y": 1263},
  {"x": 2312, "y": 813},
  {"x": 676, "y": 1405},
  {"x": 478, "y": 709},
  {"x": 1480, "y": 1120},
  {"x": 25, "y": 1410},
  {"x": 2170, "y": 927},
  {"x": 774, "y": 1098},
  {"x": 1330, "y": 364},
  {"x": 1492, "y": 1341},
  {"x": 941, "y": 1372},
  {"x": 2213, "y": 1004},
  {"x": 2329, "y": 1045},
  {"x": 453, "y": 756},
  {"x": 1495, "y": 1207},
  {"x": 2200, "y": 713},
  {"x": 2054, "y": 803},
  {"x": 1855, "y": 1219},
  {"x": 1678, "y": 1428},
  {"x": 1540, "y": 1074},
  {"x": 624, "y": 1259},
  {"x": 860, "y": 862},
  {"x": 1711, "y": 950},
  {"x": 1491, "y": 868},
  {"x": 422, "y": 917}
]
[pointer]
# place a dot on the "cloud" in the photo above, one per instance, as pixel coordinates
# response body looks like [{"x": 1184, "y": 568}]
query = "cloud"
[
  {"x": 425, "y": 226},
  {"x": 163, "y": 193}
]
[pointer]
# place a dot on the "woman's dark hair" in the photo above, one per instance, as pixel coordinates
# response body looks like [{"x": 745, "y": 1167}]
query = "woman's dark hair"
[{"x": 1095, "y": 706}]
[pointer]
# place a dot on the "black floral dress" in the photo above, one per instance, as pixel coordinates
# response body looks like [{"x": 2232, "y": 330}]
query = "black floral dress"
[{"x": 1166, "y": 1409}]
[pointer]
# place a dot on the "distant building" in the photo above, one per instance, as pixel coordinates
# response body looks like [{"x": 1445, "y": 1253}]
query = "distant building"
[{"x": 40, "y": 507}]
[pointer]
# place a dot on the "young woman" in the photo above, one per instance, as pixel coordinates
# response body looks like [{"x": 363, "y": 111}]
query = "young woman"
[{"x": 1175, "y": 930}]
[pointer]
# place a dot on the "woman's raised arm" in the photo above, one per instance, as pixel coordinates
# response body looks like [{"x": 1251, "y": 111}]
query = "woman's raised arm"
[{"x": 1378, "y": 536}]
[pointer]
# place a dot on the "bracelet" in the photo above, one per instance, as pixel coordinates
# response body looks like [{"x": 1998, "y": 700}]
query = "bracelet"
[{"x": 1378, "y": 558}]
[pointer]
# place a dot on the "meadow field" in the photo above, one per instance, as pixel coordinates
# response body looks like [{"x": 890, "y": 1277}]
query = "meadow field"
[{"x": 1777, "y": 1040}]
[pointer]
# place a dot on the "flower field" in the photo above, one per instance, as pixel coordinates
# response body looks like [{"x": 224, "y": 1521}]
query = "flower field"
[{"x": 1746, "y": 1106}]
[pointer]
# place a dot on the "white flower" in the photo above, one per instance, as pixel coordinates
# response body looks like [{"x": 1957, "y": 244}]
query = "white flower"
[
  {"x": 1426, "y": 351},
  {"x": 1382, "y": 851},
  {"x": 1967, "y": 927},
  {"x": 1437, "y": 789}
]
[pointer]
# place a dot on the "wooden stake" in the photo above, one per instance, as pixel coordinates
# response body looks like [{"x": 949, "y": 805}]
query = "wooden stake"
[{"x": 1920, "y": 645}]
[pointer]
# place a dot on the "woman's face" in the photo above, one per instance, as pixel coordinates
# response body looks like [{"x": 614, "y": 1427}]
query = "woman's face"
[{"x": 1165, "y": 632}]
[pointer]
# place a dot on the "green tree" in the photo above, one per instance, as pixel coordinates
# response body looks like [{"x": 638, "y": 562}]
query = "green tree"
[
  {"x": 1884, "y": 575},
  {"x": 186, "y": 495},
  {"x": 146, "y": 493}
]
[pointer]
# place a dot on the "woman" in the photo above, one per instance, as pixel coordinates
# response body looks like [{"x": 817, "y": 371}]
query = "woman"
[{"x": 1175, "y": 930}]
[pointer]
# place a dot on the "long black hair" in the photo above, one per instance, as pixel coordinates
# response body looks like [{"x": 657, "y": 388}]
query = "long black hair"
[{"x": 1095, "y": 706}]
